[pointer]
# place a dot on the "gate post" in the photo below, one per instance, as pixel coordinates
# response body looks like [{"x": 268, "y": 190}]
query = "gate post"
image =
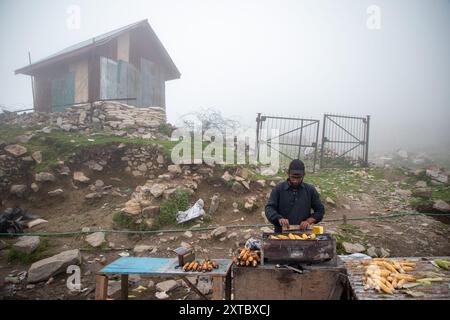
[
  {"x": 258, "y": 121},
  {"x": 366, "y": 156},
  {"x": 323, "y": 140}
]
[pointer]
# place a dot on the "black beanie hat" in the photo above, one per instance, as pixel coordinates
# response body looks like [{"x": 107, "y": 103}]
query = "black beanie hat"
[{"x": 296, "y": 167}]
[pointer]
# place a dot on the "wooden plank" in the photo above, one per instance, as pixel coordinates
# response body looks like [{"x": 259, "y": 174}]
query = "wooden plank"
[
  {"x": 101, "y": 287},
  {"x": 217, "y": 288},
  {"x": 124, "y": 286}
]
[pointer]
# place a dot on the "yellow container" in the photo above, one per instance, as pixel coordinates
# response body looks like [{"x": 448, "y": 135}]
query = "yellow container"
[{"x": 318, "y": 229}]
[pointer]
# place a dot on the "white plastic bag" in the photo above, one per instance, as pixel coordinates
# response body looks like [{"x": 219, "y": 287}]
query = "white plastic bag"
[{"x": 194, "y": 212}]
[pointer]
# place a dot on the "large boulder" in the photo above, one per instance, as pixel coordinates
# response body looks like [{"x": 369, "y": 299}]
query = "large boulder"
[
  {"x": 44, "y": 269},
  {"x": 27, "y": 244},
  {"x": 16, "y": 150}
]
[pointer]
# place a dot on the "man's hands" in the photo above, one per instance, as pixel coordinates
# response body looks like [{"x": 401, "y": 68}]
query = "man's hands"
[
  {"x": 305, "y": 224},
  {"x": 284, "y": 223}
]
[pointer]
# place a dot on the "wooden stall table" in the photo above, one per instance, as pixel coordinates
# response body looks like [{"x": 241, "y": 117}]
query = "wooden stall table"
[
  {"x": 162, "y": 267},
  {"x": 436, "y": 291}
]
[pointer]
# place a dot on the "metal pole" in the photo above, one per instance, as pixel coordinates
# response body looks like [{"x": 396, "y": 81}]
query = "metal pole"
[
  {"x": 323, "y": 140},
  {"x": 367, "y": 142},
  {"x": 258, "y": 119},
  {"x": 32, "y": 82},
  {"x": 315, "y": 147}
]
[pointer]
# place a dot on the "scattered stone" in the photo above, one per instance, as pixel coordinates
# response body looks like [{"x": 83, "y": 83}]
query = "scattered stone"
[
  {"x": 37, "y": 156},
  {"x": 346, "y": 207},
  {"x": 44, "y": 177},
  {"x": 80, "y": 177},
  {"x": 219, "y": 231},
  {"x": 167, "y": 286},
  {"x": 23, "y": 138},
  {"x": 36, "y": 222},
  {"x": 93, "y": 195},
  {"x": 227, "y": 177},
  {"x": 18, "y": 190},
  {"x": 143, "y": 248},
  {"x": 96, "y": 239},
  {"x": 353, "y": 247},
  {"x": 187, "y": 234},
  {"x": 261, "y": 183},
  {"x": 441, "y": 206},
  {"x": 94, "y": 166},
  {"x": 330, "y": 201},
  {"x": 44, "y": 269},
  {"x": 161, "y": 295},
  {"x": 422, "y": 193},
  {"x": 237, "y": 187},
  {"x": 266, "y": 230},
  {"x": 436, "y": 175},
  {"x": 404, "y": 193},
  {"x": 132, "y": 207},
  {"x": 421, "y": 184},
  {"x": 160, "y": 159},
  {"x": 99, "y": 184},
  {"x": 384, "y": 253},
  {"x": 16, "y": 150},
  {"x": 232, "y": 235},
  {"x": 157, "y": 190},
  {"x": 214, "y": 204},
  {"x": 174, "y": 169},
  {"x": 27, "y": 244},
  {"x": 249, "y": 205},
  {"x": 56, "y": 193},
  {"x": 372, "y": 252},
  {"x": 34, "y": 187},
  {"x": 142, "y": 167}
]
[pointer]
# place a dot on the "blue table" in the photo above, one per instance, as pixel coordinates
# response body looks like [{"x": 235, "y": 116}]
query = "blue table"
[{"x": 162, "y": 267}]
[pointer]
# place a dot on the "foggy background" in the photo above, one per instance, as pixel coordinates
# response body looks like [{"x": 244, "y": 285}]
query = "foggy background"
[{"x": 291, "y": 58}]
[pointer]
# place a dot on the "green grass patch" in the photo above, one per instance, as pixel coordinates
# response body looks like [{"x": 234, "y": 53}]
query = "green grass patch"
[
  {"x": 123, "y": 221},
  {"x": 28, "y": 258},
  {"x": 169, "y": 208}
]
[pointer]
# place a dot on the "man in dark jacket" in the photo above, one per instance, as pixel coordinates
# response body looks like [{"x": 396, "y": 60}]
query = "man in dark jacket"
[{"x": 291, "y": 201}]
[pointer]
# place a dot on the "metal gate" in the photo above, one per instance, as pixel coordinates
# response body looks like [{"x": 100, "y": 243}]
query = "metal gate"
[
  {"x": 345, "y": 141},
  {"x": 297, "y": 138}
]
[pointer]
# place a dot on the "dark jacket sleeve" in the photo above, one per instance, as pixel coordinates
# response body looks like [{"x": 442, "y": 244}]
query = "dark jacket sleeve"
[
  {"x": 272, "y": 206},
  {"x": 316, "y": 205}
]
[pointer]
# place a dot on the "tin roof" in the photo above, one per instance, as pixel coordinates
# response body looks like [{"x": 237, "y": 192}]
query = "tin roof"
[{"x": 86, "y": 45}]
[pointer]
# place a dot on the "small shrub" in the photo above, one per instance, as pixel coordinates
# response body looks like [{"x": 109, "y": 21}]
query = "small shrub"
[{"x": 169, "y": 208}]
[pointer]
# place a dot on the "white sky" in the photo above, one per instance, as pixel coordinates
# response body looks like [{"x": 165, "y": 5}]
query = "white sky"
[{"x": 300, "y": 58}]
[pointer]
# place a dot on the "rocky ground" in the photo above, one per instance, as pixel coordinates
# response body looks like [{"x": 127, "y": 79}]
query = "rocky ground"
[{"x": 122, "y": 184}]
